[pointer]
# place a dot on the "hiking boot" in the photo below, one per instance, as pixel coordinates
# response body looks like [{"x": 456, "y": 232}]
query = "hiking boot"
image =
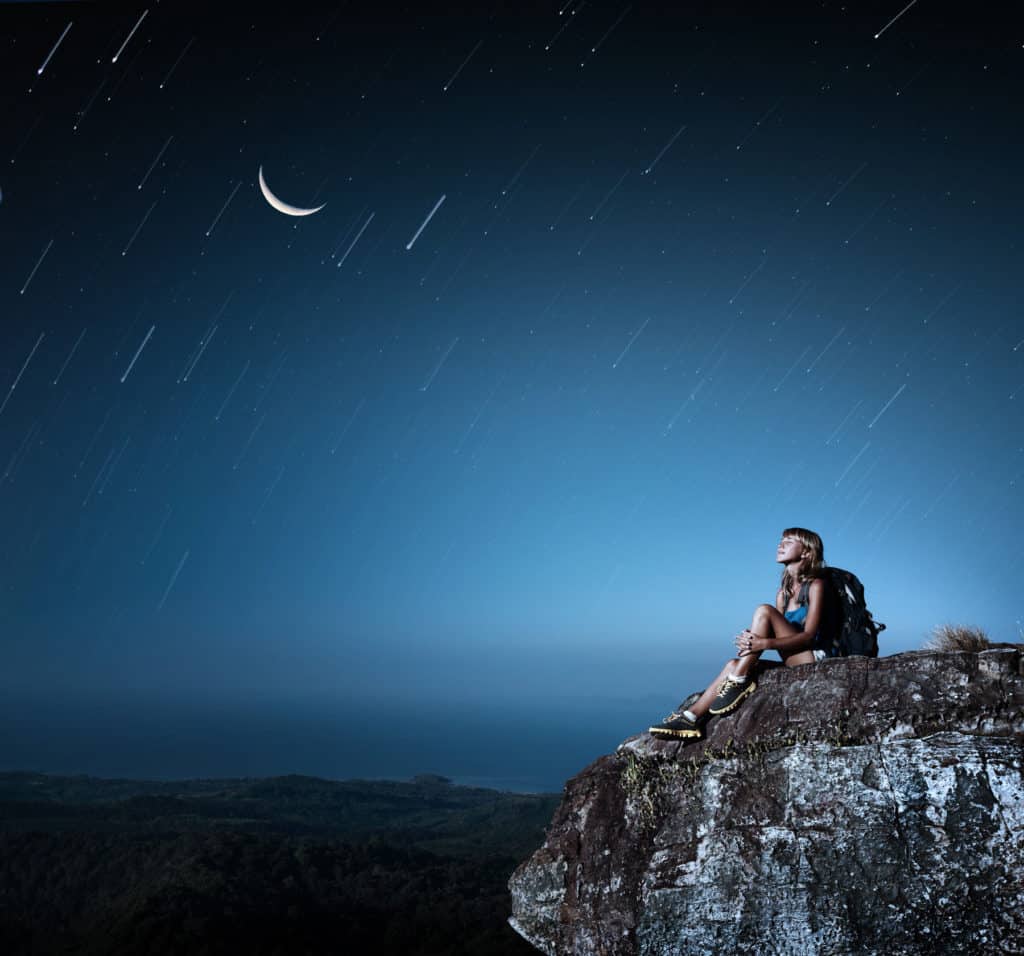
[
  {"x": 730, "y": 694},
  {"x": 677, "y": 727}
]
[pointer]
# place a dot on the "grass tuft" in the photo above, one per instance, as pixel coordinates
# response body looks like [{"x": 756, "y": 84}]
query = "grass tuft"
[{"x": 958, "y": 637}]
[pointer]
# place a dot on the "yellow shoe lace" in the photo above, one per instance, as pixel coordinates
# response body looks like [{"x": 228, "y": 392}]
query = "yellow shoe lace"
[{"x": 723, "y": 688}]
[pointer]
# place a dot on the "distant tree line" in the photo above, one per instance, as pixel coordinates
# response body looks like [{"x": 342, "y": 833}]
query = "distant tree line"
[{"x": 204, "y": 893}]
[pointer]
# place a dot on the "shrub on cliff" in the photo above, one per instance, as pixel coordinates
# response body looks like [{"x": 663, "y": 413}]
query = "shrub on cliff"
[{"x": 958, "y": 637}]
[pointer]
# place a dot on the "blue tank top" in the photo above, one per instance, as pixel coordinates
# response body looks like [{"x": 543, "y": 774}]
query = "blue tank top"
[{"x": 798, "y": 615}]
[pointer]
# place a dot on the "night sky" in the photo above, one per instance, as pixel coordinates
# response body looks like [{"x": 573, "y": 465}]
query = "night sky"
[{"x": 478, "y": 469}]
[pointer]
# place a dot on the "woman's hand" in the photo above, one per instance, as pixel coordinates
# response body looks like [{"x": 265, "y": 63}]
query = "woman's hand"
[{"x": 747, "y": 642}]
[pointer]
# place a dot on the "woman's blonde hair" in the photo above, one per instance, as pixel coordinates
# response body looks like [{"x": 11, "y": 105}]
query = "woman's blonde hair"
[{"x": 810, "y": 567}]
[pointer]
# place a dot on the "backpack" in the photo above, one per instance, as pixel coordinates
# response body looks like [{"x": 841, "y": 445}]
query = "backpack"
[{"x": 849, "y": 627}]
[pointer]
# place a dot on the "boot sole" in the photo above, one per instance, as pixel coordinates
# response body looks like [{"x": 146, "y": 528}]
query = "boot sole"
[
  {"x": 665, "y": 732},
  {"x": 749, "y": 689}
]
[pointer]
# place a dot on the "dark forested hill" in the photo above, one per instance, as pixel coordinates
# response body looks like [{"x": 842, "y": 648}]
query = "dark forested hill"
[{"x": 289, "y": 865}]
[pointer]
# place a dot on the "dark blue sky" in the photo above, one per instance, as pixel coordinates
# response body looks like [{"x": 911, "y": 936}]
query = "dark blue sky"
[{"x": 335, "y": 495}]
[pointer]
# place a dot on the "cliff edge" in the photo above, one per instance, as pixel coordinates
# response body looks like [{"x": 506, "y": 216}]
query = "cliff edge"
[{"x": 856, "y": 806}]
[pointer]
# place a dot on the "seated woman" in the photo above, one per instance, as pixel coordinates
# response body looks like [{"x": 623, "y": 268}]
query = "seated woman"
[{"x": 793, "y": 628}]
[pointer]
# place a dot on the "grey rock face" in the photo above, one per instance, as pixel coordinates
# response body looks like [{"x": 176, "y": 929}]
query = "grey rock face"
[{"x": 850, "y": 807}]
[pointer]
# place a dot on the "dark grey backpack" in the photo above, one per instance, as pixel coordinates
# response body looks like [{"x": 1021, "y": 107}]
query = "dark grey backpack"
[{"x": 848, "y": 627}]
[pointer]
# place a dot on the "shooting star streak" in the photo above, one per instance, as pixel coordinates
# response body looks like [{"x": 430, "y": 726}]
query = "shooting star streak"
[
  {"x": 860, "y": 169},
  {"x": 70, "y": 355},
  {"x": 155, "y": 161},
  {"x": 124, "y": 251},
  {"x": 39, "y": 72},
  {"x": 113, "y": 466},
  {"x": 843, "y": 422},
  {"x": 793, "y": 366},
  {"x": 568, "y": 206},
  {"x": 25, "y": 140},
  {"x": 887, "y": 404},
  {"x": 202, "y": 348},
  {"x": 159, "y": 532},
  {"x": 174, "y": 577},
  {"x": 354, "y": 241},
  {"x": 224, "y": 405},
  {"x": 607, "y": 33},
  {"x": 757, "y": 124},
  {"x": 130, "y": 35},
  {"x": 572, "y": 13},
  {"x": 748, "y": 279},
  {"x": 176, "y": 62},
  {"x": 852, "y": 463},
  {"x": 437, "y": 369},
  {"x": 138, "y": 352},
  {"x": 611, "y": 192},
  {"x": 22, "y": 372},
  {"x": 636, "y": 334},
  {"x": 423, "y": 226},
  {"x": 931, "y": 314},
  {"x": 444, "y": 89},
  {"x": 826, "y": 348},
  {"x": 519, "y": 172},
  {"x": 39, "y": 262},
  {"x": 88, "y": 106},
  {"x": 222, "y": 208},
  {"x": 874, "y": 213},
  {"x": 664, "y": 149},
  {"x": 941, "y": 495},
  {"x": 348, "y": 425},
  {"x": 895, "y": 18},
  {"x": 248, "y": 442}
]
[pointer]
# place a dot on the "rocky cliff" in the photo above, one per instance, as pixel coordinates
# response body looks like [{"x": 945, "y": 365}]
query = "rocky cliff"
[{"x": 850, "y": 807}]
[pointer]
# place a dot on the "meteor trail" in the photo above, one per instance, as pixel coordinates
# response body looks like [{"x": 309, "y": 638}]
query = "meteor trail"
[
  {"x": 826, "y": 348},
  {"x": 437, "y": 368},
  {"x": 130, "y": 35},
  {"x": 155, "y": 161},
  {"x": 611, "y": 192},
  {"x": 358, "y": 234},
  {"x": 444, "y": 89},
  {"x": 39, "y": 72},
  {"x": 220, "y": 411},
  {"x": 70, "y": 354},
  {"x": 887, "y": 404},
  {"x": 860, "y": 169},
  {"x": 895, "y": 18},
  {"x": 636, "y": 335},
  {"x": 607, "y": 33},
  {"x": 163, "y": 83},
  {"x": 423, "y": 226},
  {"x": 174, "y": 577},
  {"x": 664, "y": 150},
  {"x": 138, "y": 352},
  {"x": 852, "y": 463},
  {"x": 38, "y": 263},
  {"x": 222, "y": 208},
  {"x": 22, "y": 372},
  {"x": 124, "y": 251}
]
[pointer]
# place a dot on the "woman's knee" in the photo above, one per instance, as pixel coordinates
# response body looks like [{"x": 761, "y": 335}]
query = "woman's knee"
[{"x": 765, "y": 610}]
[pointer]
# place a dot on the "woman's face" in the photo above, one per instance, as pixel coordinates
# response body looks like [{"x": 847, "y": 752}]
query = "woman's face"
[{"x": 790, "y": 549}]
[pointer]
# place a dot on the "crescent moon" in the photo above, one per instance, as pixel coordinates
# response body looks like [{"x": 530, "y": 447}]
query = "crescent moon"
[{"x": 281, "y": 206}]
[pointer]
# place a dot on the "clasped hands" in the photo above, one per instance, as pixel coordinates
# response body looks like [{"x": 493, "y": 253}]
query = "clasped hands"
[{"x": 747, "y": 642}]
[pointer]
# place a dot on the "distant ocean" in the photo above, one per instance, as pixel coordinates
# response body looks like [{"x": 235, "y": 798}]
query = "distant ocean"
[{"x": 531, "y": 746}]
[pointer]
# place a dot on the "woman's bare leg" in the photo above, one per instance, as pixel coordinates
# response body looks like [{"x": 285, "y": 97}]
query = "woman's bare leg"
[
  {"x": 708, "y": 697},
  {"x": 766, "y": 622}
]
